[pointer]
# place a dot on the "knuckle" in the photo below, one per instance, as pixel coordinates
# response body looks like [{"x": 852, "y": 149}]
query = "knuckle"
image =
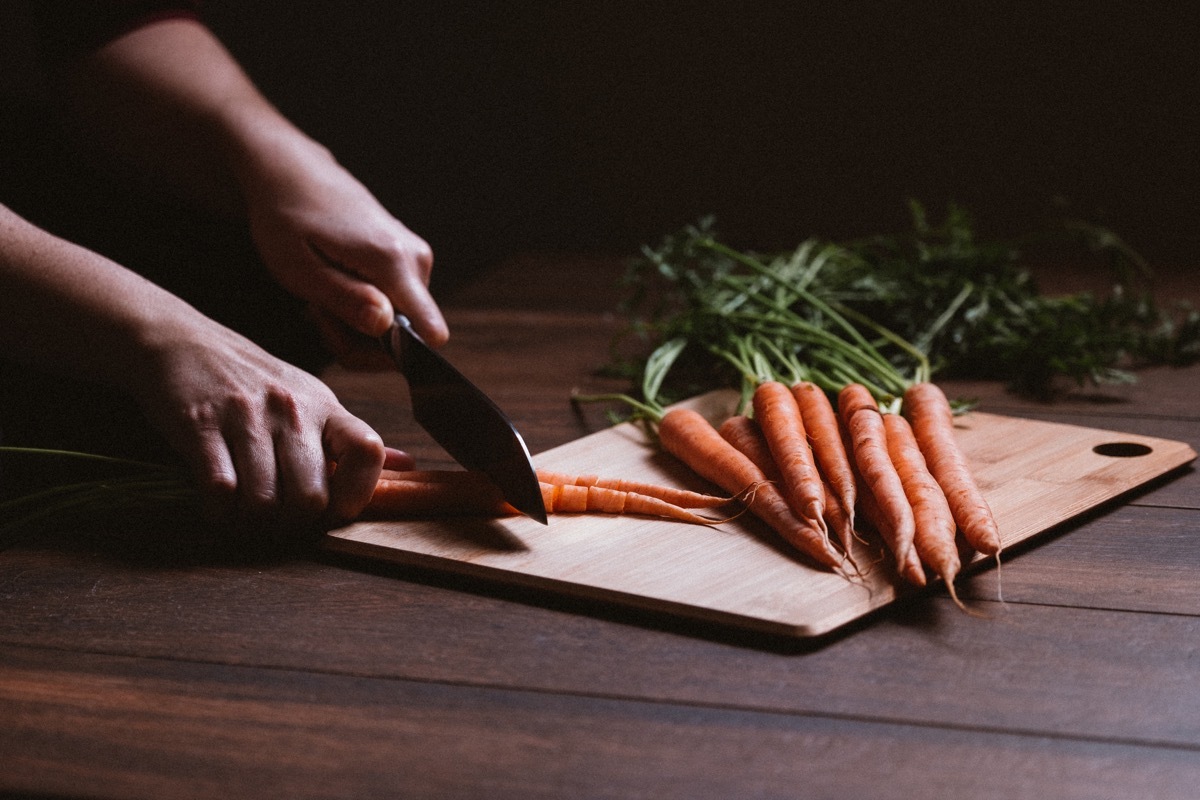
[
  {"x": 259, "y": 500},
  {"x": 282, "y": 405}
]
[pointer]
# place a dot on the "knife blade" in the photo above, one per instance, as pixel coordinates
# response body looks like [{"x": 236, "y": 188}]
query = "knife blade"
[{"x": 464, "y": 420}]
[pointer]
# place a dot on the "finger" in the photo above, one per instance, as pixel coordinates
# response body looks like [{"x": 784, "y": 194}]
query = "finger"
[
  {"x": 253, "y": 453},
  {"x": 398, "y": 460},
  {"x": 401, "y": 274},
  {"x": 215, "y": 476},
  {"x": 362, "y": 306},
  {"x": 416, "y": 303},
  {"x": 197, "y": 438},
  {"x": 359, "y": 454},
  {"x": 352, "y": 349},
  {"x": 300, "y": 461}
]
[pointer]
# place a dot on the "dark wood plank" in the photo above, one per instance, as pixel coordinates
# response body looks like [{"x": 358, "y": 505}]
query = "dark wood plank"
[
  {"x": 1047, "y": 667},
  {"x": 1157, "y": 393},
  {"x": 1141, "y": 559},
  {"x": 103, "y": 726}
]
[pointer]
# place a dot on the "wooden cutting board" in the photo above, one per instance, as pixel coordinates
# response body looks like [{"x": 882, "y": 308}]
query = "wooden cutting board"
[{"x": 1035, "y": 474}]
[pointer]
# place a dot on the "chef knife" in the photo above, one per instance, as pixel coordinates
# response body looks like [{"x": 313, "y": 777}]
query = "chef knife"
[{"x": 464, "y": 420}]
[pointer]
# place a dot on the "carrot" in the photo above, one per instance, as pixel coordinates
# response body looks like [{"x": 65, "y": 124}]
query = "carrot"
[
  {"x": 928, "y": 410},
  {"x": 935, "y": 528},
  {"x": 575, "y": 499},
  {"x": 682, "y": 498},
  {"x": 910, "y": 569},
  {"x": 778, "y": 416},
  {"x": 868, "y": 441},
  {"x": 468, "y": 493},
  {"x": 436, "y": 493},
  {"x": 744, "y": 434},
  {"x": 693, "y": 440},
  {"x": 678, "y": 497},
  {"x": 821, "y": 423},
  {"x": 835, "y": 517}
]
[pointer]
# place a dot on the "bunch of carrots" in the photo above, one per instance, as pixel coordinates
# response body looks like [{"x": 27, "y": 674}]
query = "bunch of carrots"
[
  {"x": 810, "y": 468},
  {"x": 839, "y": 419}
]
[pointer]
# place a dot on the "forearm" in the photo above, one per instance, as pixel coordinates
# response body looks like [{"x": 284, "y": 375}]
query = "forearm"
[
  {"x": 68, "y": 310},
  {"x": 169, "y": 98}
]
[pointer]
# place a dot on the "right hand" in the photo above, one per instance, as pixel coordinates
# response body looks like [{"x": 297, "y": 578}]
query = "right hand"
[{"x": 327, "y": 240}]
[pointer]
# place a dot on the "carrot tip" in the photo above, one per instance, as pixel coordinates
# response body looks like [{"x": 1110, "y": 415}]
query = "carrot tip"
[{"x": 962, "y": 606}]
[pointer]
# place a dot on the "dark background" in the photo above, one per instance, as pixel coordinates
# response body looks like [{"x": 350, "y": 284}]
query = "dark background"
[
  {"x": 490, "y": 127},
  {"x": 495, "y": 128}
]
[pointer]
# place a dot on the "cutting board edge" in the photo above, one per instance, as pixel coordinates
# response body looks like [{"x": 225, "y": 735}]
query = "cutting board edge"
[{"x": 634, "y": 602}]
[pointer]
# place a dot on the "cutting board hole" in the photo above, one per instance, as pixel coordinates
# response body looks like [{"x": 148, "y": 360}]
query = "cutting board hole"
[{"x": 1122, "y": 449}]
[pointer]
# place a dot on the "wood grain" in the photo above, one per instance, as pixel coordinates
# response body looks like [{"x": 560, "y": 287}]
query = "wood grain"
[
  {"x": 1036, "y": 475},
  {"x": 167, "y": 729}
]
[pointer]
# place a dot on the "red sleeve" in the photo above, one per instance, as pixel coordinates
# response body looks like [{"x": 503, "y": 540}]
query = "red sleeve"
[{"x": 70, "y": 28}]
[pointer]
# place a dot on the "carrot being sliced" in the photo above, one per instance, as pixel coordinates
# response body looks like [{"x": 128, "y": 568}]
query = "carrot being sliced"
[
  {"x": 436, "y": 493},
  {"x": 934, "y": 540},
  {"x": 678, "y": 497},
  {"x": 576, "y": 499},
  {"x": 868, "y": 446},
  {"x": 829, "y": 449},
  {"x": 468, "y": 493},
  {"x": 692, "y": 439},
  {"x": 682, "y": 498},
  {"x": 932, "y": 421}
]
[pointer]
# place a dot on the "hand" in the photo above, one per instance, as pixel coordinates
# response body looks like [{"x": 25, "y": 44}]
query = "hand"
[
  {"x": 327, "y": 240},
  {"x": 259, "y": 434}
]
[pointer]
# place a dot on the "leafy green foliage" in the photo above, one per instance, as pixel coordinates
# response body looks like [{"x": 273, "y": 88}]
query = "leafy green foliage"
[{"x": 880, "y": 311}]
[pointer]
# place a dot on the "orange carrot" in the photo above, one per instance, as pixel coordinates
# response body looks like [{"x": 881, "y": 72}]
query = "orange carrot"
[
  {"x": 468, "y": 493},
  {"x": 864, "y": 424},
  {"x": 932, "y": 421},
  {"x": 910, "y": 569},
  {"x": 693, "y": 440},
  {"x": 824, "y": 433},
  {"x": 744, "y": 434},
  {"x": 678, "y": 497},
  {"x": 835, "y": 517},
  {"x": 436, "y": 493},
  {"x": 778, "y": 416},
  {"x": 935, "y": 531},
  {"x": 682, "y": 498},
  {"x": 574, "y": 499}
]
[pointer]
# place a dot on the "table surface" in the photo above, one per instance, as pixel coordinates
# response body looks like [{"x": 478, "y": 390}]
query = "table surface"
[{"x": 147, "y": 661}]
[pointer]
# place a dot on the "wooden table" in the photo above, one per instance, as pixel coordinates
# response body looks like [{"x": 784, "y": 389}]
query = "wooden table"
[{"x": 146, "y": 663}]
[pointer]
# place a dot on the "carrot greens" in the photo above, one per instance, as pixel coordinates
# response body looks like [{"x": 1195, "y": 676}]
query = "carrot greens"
[
  {"x": 887, "y": 310},
  {"x": 102, "y": 485}
]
